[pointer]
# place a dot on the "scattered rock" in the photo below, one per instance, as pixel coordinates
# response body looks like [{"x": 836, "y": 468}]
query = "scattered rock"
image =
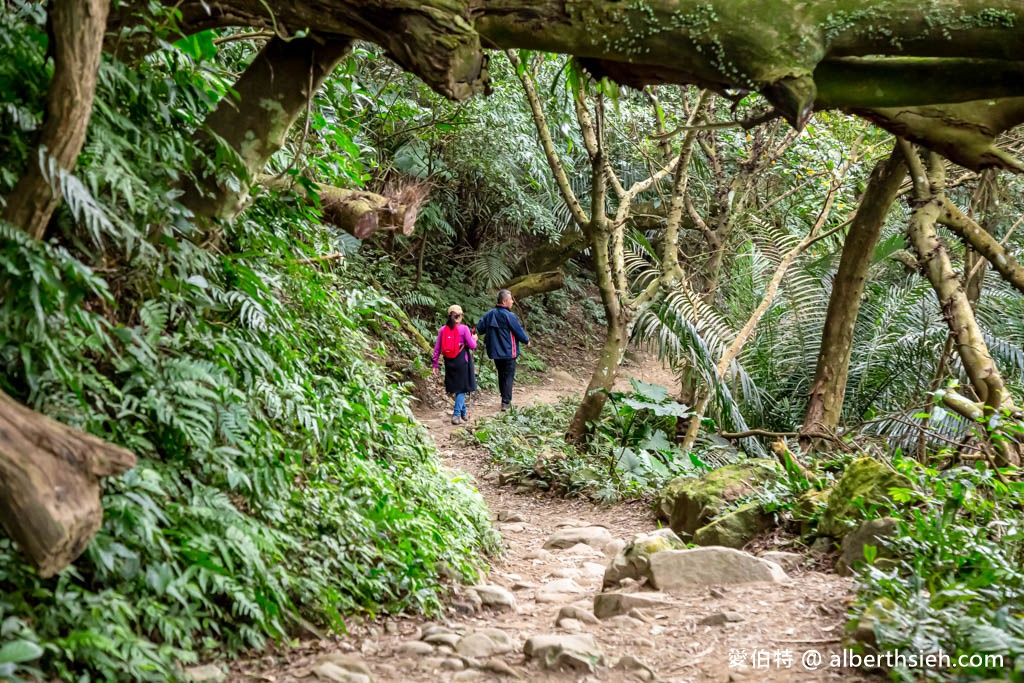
[
  {"x": 498, "y": 666},
  {"x": 593, "y": 568},
  {"x": 596, "y": 537},
  {"x": 735, "y": 529},
  {"x": 716, "y": 592},
  {"x": 451, "y": 639},
  {"x": 720, "y": 619},
  {"x": 432, "y": 663},
  {"x": 689, "y": 503},
  {"x": 633, "y": 560},
  {"x": 874, "y": 532},
  {"x": 622, "y": 622},
  {"x": 509, "y": 516},
  {"x": 495, "y": 597},
  {"x": 865, "y": 484},
  {"x": 788, "y": 561},
  {"x": 583, "y": 550},
  {"x": 614, "y": 547},
  {"x": 206, "y": 673},
  {"x": 683, "y": 569},
  {"x": 539, "y": 554},
  {"x": 516, "y": 528},
  {"x": 413, "y": 648},
  {"x": 485, "y": 643},
  {"x": 452, "y": 664},
  {"x": 428, "y": 630},
  {"x": 578, "y": 613},
  {"x": 562, "y": 590},
  {"x": 348, "y": 662},
  {"x": 613, "y": 604},
  {"x": 469, "y": 676},
  {"x": 328, "y": 671},
  {"x": 635, "y": 666},
  {"x": 565, "y": 573},
  {"x": 577, "y": 651},
  {"x": 570, "y": 625}
]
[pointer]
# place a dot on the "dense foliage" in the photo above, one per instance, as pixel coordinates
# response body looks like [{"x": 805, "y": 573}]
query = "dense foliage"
[
  {"x": 256, "y": 367},
  {"x": 282, "y": 483}
]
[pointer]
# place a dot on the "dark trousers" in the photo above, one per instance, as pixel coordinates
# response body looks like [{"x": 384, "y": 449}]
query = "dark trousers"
[{"x": 506, "y": 368}]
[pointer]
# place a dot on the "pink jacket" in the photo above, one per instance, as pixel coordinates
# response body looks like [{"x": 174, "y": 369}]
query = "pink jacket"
[{"x": 464, "y": 332}]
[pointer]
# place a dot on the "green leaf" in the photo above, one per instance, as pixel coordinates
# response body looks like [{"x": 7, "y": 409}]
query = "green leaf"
[{"x": 20, "y": 651}]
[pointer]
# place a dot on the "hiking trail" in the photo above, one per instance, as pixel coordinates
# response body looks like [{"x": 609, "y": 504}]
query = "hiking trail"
[{"x": 694, "y": 635}]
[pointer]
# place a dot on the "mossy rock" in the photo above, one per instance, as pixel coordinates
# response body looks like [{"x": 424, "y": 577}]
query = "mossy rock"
[
  {"x": 862, "y": 630},
  {"x": 873, "y": 532},
  {"x": 633, "y": 560},
  {"x": 689, "y": 503},
  {"x": 864, "y": 484},
  {"x": 735, "y": 529}
]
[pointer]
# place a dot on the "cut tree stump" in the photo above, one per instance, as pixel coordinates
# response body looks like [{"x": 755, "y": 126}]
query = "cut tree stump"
[{"x": 50, "y": 484}]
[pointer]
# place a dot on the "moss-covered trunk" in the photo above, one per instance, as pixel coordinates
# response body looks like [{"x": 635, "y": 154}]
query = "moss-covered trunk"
[
  {"x": 271, "y": 95},
  {"x": 826, "y": 400}
]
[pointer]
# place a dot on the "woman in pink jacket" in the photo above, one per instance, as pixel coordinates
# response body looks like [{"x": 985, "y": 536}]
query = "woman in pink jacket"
[{"x": 454, "y": 343}]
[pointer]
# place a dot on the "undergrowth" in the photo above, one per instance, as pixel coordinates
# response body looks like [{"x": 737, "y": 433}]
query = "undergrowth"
[
  {"x": 629, "y": 456},
  {"x": 282, "y": 484},
  {"x": 957, "y": 585}
]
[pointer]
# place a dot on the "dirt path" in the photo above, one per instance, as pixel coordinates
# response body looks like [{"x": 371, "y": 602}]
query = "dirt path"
[{"x": 767, "y": 626}]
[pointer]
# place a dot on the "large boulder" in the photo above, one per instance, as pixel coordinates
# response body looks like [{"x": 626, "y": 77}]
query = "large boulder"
[
  {"x": 690, "y": 503},
  {"x": 865, "y": 484},
  {"x": 735, "y": 529},
  {"x": 686, "y": 569},
  {"x": 873, "y": 532},
  {"x": 632, "y": 561}
]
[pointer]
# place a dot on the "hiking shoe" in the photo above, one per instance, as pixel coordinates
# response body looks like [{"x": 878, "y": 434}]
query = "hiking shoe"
[
  {"x": 456, "y": 420},
  {"x": 505, "y": 406}
]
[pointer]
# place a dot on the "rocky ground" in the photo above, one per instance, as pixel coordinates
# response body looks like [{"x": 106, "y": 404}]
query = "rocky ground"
[{"x": 545, "y": 614}]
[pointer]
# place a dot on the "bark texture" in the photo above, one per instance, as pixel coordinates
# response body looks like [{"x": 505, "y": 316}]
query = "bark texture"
[
  {"x": 929, "y": 203},
  {"x": 271, "y": 95},
  {"x": 50, "y": 484},
  {"x": 356, "y": 212},
  {"x": 826, "y": 400},
  {"x": 535, "y": 283},
  {"x": 801, "y": 56},
  {"x": 77, "y": 28},
  {"x": 977, "y": 237}
]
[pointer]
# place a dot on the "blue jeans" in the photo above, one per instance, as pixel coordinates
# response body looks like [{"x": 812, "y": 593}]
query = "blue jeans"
[{"x": 460, "y": 406}]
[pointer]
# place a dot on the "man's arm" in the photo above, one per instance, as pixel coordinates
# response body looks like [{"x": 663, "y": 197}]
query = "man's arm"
[{"x": 517, "y": 329}]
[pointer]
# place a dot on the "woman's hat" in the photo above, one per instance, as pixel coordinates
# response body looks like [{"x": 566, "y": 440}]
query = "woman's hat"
[{"x": 455, "y": 308}]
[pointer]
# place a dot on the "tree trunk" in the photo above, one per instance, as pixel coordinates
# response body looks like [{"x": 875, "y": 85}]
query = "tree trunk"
[
  {"x": 77, "y": 41},
  {"x": 986, "y": 380},
  {"x": 50, "y": 484},
  {"x": 616, "y": 338},
  {"x": 535, "y": 283},
  {"x": 602, "y": 380},
  {"x": 826, "y": 400},
  {"x": 274, "y": 90}
]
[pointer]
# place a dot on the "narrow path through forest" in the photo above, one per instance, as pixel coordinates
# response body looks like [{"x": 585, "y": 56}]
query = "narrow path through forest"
[{"x": 699, "y": 635}]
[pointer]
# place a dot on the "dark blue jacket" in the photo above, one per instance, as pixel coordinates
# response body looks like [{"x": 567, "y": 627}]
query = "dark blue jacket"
[{"x": 501, "y": 330}]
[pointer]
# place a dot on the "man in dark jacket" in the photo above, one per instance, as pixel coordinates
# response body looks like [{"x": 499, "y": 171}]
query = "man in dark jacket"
[{"x": 502, "y": 334}]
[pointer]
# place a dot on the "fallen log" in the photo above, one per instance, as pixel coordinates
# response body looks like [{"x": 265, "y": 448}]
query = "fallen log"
[
  {"x": 535, "y": 283},
  {"x": 50, "y": 484},
  {"x": 356, "y": 212}
]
